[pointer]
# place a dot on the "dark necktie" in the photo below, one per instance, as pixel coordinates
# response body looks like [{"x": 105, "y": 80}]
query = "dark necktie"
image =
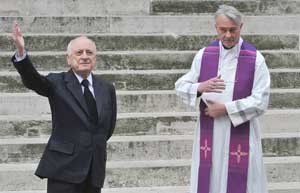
[{"x": 90, "y": 101}]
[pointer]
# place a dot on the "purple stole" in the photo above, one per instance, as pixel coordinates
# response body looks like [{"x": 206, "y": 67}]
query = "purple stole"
[{"x": 239, "y": 136}]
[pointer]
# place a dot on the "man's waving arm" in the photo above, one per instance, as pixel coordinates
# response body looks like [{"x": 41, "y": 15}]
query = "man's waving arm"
[{"x": 30, "y": 77}]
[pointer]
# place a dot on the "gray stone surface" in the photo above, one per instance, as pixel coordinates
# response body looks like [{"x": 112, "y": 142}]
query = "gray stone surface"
[
  {"x": 137, "y": 7},
  {"x": 142, "y": 60},
  {"x": 73, "y": 7},
  {"x": 152, "y": 125},
  {"x": 280, "y": 121},
  {"x": 155, "y": 80},
  {"x": 139, "y": 148},
  {"x": 133, "y": 124},
  {"x": 133, "y": 101},
  {"x": 275, "y": 7},
  {"x": 273, "y": 188},
  {"x": 25, "y": 127},
  {"x": 148, "y": 24},
  {"x": 140, "y": 174},
  {"x": 110, "y": 42}
]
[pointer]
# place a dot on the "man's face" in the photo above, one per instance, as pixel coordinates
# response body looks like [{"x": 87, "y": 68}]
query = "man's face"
[
  {"x": 82, "y": 58},
  {"x": 228, "y": 31}
]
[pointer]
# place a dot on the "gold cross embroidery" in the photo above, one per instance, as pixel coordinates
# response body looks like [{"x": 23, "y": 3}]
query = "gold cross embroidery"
[
  {"x": 205, "y": 149},
  {"x": 239, "y": 153}
]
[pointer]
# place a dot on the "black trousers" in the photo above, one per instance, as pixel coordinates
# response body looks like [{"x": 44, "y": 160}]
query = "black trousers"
[{"x": 57, "y": 186}]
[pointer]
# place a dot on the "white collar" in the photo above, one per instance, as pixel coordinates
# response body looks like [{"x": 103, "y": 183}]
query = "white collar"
[
  {"x": 235, "y": 50},
  {"x": 80, "y": 79}
]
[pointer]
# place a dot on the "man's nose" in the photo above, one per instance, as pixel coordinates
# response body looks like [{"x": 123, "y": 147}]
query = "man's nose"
[
  {"x": 228, "y": 33},
  {"x": 84, "y": 54}
]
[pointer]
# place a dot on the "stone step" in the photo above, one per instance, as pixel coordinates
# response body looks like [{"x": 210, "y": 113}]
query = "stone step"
[
  {"x": 137, "y": 7},
  {"x": 151, "y": 147},
  {"x": 149, "y": 79},
  {"x": 71, "y": 8},
  {"x": 132, "y": 124},
  {"x": 147, "y": 24},
  {"x": 110, "y": 42},
  {"x": 277, "y": 7},
  {"x": 14, "y": 177},
  {"x": 143, "y": 60},
  {"x": 281, "y": 187},
  {"x": 134, "y": 101}
]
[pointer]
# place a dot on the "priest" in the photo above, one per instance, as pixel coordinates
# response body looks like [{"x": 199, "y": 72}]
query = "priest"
[{"x": 232, "y": 81}]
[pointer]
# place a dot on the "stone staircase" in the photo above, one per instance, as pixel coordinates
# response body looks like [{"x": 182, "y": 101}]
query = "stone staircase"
[{"x": 144, "y": 46}]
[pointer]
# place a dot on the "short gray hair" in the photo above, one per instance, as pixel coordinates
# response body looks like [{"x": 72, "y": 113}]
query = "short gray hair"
[
  {"x": 230, "y": 12},
  {"x": 69, "y": 48}
]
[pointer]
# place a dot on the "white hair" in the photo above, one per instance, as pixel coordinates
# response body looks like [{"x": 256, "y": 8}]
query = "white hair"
[
  {"x": 69, "y": 48},
  {"x": 230, "y": 12}
]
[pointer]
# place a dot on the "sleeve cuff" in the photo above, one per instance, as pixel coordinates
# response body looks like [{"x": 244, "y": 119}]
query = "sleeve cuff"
[
  {"x": 234, "y": 117},
  {"x": 20, "y": 58},
  {"x": 196, "y": 94}
]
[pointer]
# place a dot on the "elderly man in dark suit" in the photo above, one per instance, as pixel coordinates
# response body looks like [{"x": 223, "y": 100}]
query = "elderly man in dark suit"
[{"x": 83, "y": 109}]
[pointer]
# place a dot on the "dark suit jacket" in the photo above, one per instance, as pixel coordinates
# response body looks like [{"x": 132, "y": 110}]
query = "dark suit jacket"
[{"x": 75, "y": 142}]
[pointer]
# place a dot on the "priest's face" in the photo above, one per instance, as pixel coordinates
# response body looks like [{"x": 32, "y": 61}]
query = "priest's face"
[
  {"x": 81, "y": 56},
  {"x": 228, "y": 31}
]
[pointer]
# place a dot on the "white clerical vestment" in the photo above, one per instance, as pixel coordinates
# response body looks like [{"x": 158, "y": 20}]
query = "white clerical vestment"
[{"x": 239, "y": 111}]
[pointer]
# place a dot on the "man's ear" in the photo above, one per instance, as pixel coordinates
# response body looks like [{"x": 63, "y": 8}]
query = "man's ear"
[
  {"x": 241, "y": 25},
  {"x": 68, "y": 59}
]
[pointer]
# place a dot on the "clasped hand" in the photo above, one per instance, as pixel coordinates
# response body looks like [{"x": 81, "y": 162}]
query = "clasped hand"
[
  {"x": 214, "y": 109},
  {"x": 215, "y": 84}
]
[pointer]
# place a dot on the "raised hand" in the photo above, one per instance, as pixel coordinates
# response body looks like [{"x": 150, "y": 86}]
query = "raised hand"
[
  {"x": 215, "y": 84},
  {"x": 18, "y": 39}
]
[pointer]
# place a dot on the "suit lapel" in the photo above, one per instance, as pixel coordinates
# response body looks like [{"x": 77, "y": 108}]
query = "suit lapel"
[
  {"x": 75, "y": 88},
  {"x": 98, "y": 95}
]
